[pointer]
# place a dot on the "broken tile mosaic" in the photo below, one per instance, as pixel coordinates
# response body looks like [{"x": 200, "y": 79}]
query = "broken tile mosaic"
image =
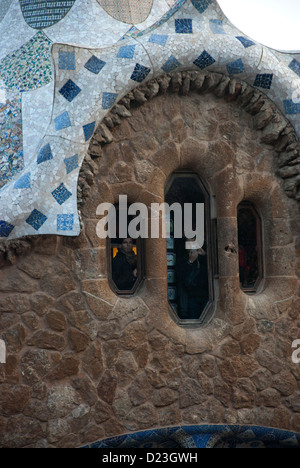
[
  {"x": 216, "y": 26},
  {"x": 61, "y": 194},
  {"x": 30, "y": 66},
  {"x": 245, "y": 41},
  {"x": 126, "y": 51},
  {"x": 204, "y": 60},
  {"x": 5, "y": 229},
  {"x": 119, "y": 48},
  {"x": 66, "y": 61},
  {"x": 201, "y": 5},
  {"x": 171, "y": 64},
  {"x": 160, "y": 39},
  {"x": 291, "y": 107},
  {"x": 4, "y": 6},
  {"x": 71, "y": 163},
  {"x": 11, "y": 145},
  {"x": 295, "y": 66},
  {"x": 88, "y": 130},
  {"x": 70, "y": 90},
  {"x": 128, "y": 11},
  {"x": 108, "y": 100},
  {"x": 140, "y": 73},
  {"x": 184, "y": 26},
  {"x": 62, "y": 121},
  {"x": 42, "y": 14},
  {"x": 36, "y": 219},
  {"x": 94, "y": 65},
  {"x": 263, "y": 81},
  {"x": 23, "y": 182},
  {"x": 235, "y": 67},
  {"x": 65, "y": 222},
  {"x": 45, "y": 154}
]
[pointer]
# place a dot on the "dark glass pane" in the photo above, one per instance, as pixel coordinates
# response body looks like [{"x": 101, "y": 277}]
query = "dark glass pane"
[
  {"x": 124, "y": 264},
  {"x": 249, "y": 247},
  {"x": 125, "y": 261},
  {"x": 187, "y": 269}
]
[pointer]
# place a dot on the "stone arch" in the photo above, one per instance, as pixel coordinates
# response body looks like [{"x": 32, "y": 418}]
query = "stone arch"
[
  {"x": 273, "y": 127},
  {"x": 269, "y": 127}
]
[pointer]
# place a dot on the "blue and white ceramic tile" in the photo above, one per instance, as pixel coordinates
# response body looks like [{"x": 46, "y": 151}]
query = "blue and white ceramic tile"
[
  {"x": 98, "y": 54},
  {"x": 204, "y": 436}
]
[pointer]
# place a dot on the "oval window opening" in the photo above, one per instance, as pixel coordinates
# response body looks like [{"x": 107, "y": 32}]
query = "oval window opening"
[
  {"x": 189, "y": 272},
  {"x": 250, "y": 248}
]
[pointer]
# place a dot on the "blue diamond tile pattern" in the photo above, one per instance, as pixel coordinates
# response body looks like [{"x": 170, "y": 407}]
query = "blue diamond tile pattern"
[
  {"x": 71, "y": 163},
  {"x": 36, "y": 219},
  {"x": 108, "y": 100},
  {"x": 62, "y": 121},
  {"x": 98, "y": 60},
  {"x": 23, "y": 182},
  {"x": 184, "y": 26},
  {"x": 216, "y": 26},
  {"x": 126, "y": 51},
  {"x": 66, "y": 61},
  {"x": 235, "y": 67},
  {"x": 88, "y": 130},
  {"x": 140, "y": 73},
  {"x": 70, "y": 90},
  {"x": 171, "y": 64},
  {"x": 263, "y": 80},
  {"x": 245, "y": 41},
  {"x": 295, "y": 66},
  {"x": 204, "y": 60},
  {"x": 61, "y": 194},
  {"x": 291, "y": 107},
  {"x": 45, "y": 154},
  {"x": 65, "y": 222},
  {"x": 160, "y": 39},
  {"x": 201, "y": 5},
  {"x": 94, "y": 65},
  {"x": 5, "y": 229}
]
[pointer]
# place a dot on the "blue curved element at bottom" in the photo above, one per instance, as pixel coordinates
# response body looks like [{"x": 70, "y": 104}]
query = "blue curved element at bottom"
[{"x": 204, "y": 436}]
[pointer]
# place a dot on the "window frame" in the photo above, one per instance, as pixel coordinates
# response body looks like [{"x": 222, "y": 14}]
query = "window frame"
[{"x": 212, "y": 251}]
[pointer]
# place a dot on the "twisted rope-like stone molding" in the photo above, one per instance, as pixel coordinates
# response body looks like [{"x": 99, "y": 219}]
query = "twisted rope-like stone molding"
[{"x": 274, "y": 128}]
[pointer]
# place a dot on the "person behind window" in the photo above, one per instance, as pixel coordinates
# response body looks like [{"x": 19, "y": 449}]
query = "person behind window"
[
  {"x": 124, "y": 266},
  {"x": 192, "y": 282}
]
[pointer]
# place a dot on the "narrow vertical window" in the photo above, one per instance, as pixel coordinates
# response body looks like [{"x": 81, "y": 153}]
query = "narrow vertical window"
[
  {"x": 190, "y": 282},
  {"x": 250, "y": 248},
  {"x": 125, "y": 266}
]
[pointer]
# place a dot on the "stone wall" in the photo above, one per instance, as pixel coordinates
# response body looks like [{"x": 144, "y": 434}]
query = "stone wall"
[{"x": 84, "y": 364}]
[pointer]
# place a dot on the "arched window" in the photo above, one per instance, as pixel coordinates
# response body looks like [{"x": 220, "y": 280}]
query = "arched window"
[
  {"x": 189, "y": 248},
  {"x": 250, "y": 247}
]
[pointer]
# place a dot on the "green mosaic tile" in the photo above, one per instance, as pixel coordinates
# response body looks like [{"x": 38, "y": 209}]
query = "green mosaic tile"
[
  {"x": 11, "y": 147},
  {"x": 28, "y": 67}
]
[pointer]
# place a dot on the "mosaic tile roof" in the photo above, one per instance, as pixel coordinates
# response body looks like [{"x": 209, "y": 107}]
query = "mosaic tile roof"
[{"x": 54, "y": 94}]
